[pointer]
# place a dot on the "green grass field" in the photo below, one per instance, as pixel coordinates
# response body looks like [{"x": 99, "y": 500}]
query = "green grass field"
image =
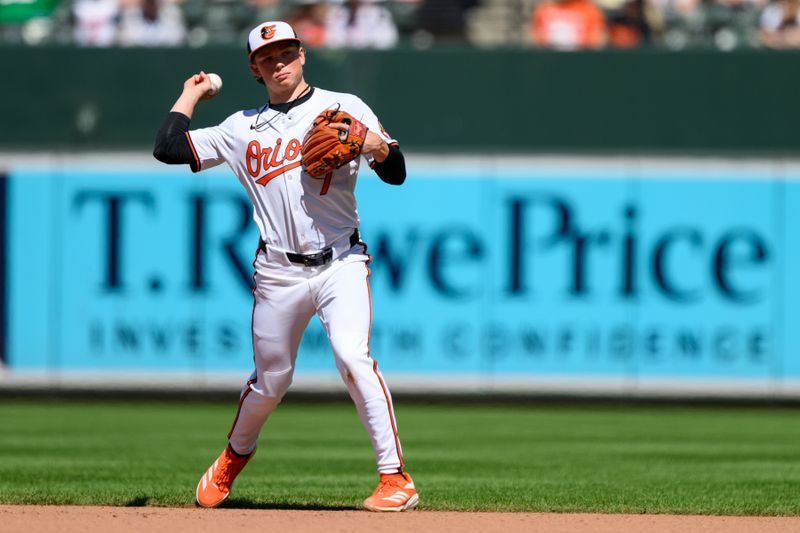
[{"x": 463, "y": 457}]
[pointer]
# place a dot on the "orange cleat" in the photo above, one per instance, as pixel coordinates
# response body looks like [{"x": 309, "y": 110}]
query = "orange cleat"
[
  {"x": 395, "y": 492},
  {"x": 215, "y": 485}
]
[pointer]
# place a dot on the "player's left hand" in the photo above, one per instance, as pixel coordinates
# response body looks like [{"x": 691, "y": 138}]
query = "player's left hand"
[{"x": 373, "y": 144}]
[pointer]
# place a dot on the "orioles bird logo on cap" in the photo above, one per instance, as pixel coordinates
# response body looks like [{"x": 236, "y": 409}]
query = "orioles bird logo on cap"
[{"x": 268, "y": 32}]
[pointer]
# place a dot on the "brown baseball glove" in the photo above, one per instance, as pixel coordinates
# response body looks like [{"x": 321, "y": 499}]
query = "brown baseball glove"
[{"x": 326, "y": 149}]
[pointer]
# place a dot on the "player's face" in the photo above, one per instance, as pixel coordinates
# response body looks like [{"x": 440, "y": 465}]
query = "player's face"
[{"x": 280, "y": 65}]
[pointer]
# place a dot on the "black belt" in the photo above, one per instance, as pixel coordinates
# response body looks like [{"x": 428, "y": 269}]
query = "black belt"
[{"x": 320, "y": 258}]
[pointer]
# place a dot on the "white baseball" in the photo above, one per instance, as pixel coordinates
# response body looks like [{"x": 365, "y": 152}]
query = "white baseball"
[{"x": 216, "y": 84}]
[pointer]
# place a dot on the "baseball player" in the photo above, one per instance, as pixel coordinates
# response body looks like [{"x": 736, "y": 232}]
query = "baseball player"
[{"x": 310, "y": 258}]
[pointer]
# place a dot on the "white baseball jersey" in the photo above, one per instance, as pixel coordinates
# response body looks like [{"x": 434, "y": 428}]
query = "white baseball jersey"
[{"x": 293, "y": 211}]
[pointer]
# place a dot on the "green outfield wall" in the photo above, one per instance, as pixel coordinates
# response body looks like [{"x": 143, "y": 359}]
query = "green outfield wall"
[{"x": 433, "y": 100}]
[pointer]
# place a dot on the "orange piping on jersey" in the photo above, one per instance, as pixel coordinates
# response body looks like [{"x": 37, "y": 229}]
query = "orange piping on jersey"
[
  {"x": 277, "y": 172},
  {"x": 194, "y": 152},
  {"x": 380, "y": 380},
  {"x": 241, "y": 401}
]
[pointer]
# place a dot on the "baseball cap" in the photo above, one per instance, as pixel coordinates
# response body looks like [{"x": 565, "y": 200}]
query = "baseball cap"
[{"x": 268, "y": 33}]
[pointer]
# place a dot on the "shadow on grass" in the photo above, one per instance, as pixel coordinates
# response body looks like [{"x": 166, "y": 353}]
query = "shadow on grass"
[
  {"x": 234, "y": 503},
  {"x": 141, "y": 501}
]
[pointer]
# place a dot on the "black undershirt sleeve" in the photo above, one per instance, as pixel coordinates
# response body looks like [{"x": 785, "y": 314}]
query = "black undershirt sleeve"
[
  {"x": 172, "y": 145},
  {"x": 392, "y": 170}
]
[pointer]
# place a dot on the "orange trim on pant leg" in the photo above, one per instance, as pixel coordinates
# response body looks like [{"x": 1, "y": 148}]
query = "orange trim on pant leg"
[
  {"x": 255, "y": 379},
  {"x": 239, "y": 409},
  {"x": 253, "y": 312},
  {"x": 380, "y": 380},
  {"x": 391, "y": 414}
]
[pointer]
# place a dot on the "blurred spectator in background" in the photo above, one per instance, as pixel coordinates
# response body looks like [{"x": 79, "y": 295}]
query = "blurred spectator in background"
[
  {"x": 733, "y": 23},
  {"x": 268, "y": 9},
  {"x": 440, "y": 20},
  {"x": 682, "y": 22},
  {"x": 628, "y": 27},
  {"x": 151, "y": 23},
  {"x": 780, "y": 24},
  {"x": 95, "y": 22},
  {"x": 360, "y": 24},
  {"x": 558, "y": 24},
  {"x": 568, "y": 25},
  {"x": 308, "y": 20}
]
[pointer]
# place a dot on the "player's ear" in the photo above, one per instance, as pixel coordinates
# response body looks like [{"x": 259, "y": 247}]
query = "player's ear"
[
  {"x": 302, "y": 52},
  {"x": 254, "y": 69}
]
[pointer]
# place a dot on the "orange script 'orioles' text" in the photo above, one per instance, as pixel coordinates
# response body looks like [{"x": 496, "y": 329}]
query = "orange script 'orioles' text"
[{"x": 260, "y": 159}]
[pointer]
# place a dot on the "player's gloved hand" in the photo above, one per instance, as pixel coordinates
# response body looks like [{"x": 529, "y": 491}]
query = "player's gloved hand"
[
  {"x": 335, "y": 139},
  {"x": 373, "y": 144}
]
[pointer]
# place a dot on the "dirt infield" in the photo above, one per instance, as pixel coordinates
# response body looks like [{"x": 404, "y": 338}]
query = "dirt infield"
[{"x": 66, "y": 519}]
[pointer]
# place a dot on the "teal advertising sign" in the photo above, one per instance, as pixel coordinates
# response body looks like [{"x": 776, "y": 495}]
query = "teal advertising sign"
[{"x": 626, "y": 271}]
